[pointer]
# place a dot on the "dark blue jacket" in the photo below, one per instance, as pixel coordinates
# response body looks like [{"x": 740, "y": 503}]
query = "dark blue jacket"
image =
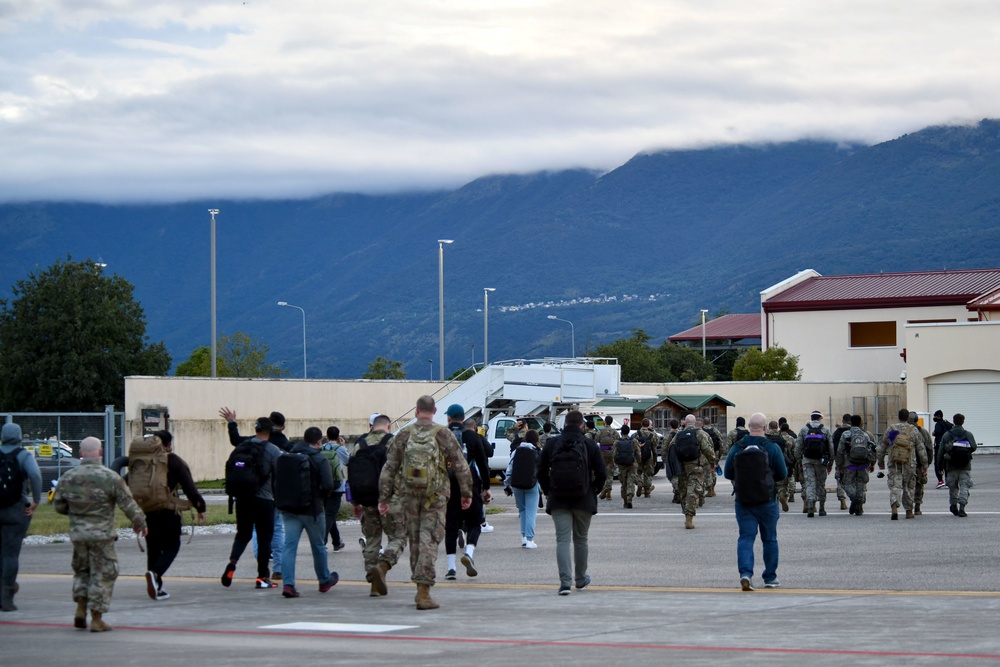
[{"x": 774, "y": 456}]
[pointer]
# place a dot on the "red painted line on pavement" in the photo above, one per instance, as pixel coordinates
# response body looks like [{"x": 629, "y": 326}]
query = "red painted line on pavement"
[{"x": 526, "y": 642}]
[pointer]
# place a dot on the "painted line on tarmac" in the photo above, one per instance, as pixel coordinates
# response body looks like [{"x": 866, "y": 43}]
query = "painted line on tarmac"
[
  {"x": 338, "y": 627},
  {"x": 614, "y": 588},
  {"x": 527, "y": 642}
]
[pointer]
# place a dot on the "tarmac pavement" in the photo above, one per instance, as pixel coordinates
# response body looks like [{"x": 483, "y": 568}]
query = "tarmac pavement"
[{"x": 855, "y": 590}]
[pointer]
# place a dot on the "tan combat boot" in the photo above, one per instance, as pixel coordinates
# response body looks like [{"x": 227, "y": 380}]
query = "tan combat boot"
[
  {"x": 711, "y": 493},
  {"x": 843, "y": 504},
  {"x": 97, "y": 623},
  {"x": 916, "y": 510},
  {"x": 688, "y": 521},
  {"x": 784, "y": 504},
  {"x": 909, "y": 514},
  {"x": 895, "y": 512},
  {"x": 379, "y": 587},
  {"x": 80, "y": 617},
  {"x": 424, "y": 599}
]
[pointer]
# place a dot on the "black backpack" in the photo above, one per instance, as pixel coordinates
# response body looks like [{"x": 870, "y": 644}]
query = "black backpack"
[
  {"x": 625, "y": 454},
  {"x": 753, "y": 482},
  {"x": 11, "y": 478},
  {"x": 569, "y": 474},
  {"x": 645, "y": 447},
  {"x": 783, "y": 446},
  {"x": 837, "y": 435},
  {"x": 858, "y": 448},
  {"x": 293, "y": 483},
  {"x": 714, "y": 437},
  {"x": 687, "y": 446},
  {"x": 814, "y": 443},
  {"x": 247, "y": 469},
  {"x": 740, "y": 434},
  {"x": 363, "y": 470},
  {"x": 523, "y": 472},
  {"x": 960, "y": 454}
]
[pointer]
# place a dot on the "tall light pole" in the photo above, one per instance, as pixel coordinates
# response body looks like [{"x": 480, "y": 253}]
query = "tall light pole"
[
  {"x": 486, "y": 324},
  {"x": 213, "y": 212},
  {"x": 572, "y": 331},
  {"x": 703, "y": 313},
  {"x": 441, "y": 243},
  {"x": 431, "y": 362},
  {"x": 288, "y": 305}
]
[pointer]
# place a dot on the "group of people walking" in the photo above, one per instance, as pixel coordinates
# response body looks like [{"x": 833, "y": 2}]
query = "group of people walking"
[{"x": 429, "y": 482}]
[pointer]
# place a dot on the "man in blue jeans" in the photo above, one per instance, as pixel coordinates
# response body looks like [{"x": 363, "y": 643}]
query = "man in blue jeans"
[
  {"x": 754, "y": 464},
  {"x": 308, "y": 517}
]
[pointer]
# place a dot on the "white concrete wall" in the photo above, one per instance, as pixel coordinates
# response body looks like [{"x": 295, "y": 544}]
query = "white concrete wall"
[
  {"x": 821, "y": 340},
  {"x": 935, "y": 349},
  {"x": 200, "y": 434}
]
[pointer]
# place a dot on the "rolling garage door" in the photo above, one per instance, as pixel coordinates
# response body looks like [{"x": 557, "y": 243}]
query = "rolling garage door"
[{"x": 976, "y": 394}]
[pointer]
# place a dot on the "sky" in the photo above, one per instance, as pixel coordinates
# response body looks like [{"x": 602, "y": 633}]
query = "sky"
[{"x": 119, "y": 100}]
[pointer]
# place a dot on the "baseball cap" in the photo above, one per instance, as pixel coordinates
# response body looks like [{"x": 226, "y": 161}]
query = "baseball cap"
[
  {"x": 455, "y": 410},
  {"x": 816, "y": 414},
  {"x": 373, "y": 417}
]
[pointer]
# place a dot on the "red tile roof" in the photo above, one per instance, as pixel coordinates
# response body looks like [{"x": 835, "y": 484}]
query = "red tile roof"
[
  {"x": 724, "y": 328},
  {"x": 881, "y": 290}
]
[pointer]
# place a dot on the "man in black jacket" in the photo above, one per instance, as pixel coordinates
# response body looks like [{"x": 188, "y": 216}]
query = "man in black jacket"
[
  {"x": 309, "y": 518},
  {"x": 163, "y": 542},
  {"x": 571, "y": 472},
  {"x": 456, "y": 518},
  {"x": 278, "y": 439}
]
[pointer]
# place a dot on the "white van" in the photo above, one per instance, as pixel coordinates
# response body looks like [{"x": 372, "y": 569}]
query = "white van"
[{"x": 496, "y": 433}]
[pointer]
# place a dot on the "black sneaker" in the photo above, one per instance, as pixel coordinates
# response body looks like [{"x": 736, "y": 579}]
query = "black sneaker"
[
  {"x": 161, "y": 595},
  {"x": 151, "y": 585},
  {"x": 451, "y": 575},
  {"x": 340, "y": 547},
  {"x": 564, "y": 590},
  {"x": 289, "y": 591},
  {"x": 470, "y": 565},
  {"x": 227, "y": 576},
  {"x": 586, "y": 582}
]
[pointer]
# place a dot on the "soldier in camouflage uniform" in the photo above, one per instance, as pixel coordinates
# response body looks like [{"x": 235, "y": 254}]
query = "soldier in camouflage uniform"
[
  {"x": 796, "y": 472},
  {"x": 671, "y": 472},
  {"x": 545, "y": 434},
  {"x": 628, "y": 474},
  {"x": 648, "y": 468},
  {"x": 845, "y": 425},
  {"x": 692, "y": 477},
  {"x": 903, "y": 475},
  {"x": 605, "y": 438},
  {"x": 423, "y": 492},
  {"x": 737, "y": 434},
  {"x": 815, "y": 469},
  {"x": 515, "y": 434},
  {"x": 854, "y": 473},
  {"x": 378, "y": 559},
  {"x": 921, "y": 482},
  {"x": 786, "y": 443},
  {"x": 720, "y": 454},
  {"x": 89, "y": 494}
]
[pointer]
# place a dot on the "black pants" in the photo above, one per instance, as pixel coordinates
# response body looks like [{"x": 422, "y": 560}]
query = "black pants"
[
  {"x": 254, "y": 513},
  {"x": 456, "y": 519},
  {"x": 332, "y": 509},
  {"x": 163, "y": 541},
  {"x": 938, "y": 472}
]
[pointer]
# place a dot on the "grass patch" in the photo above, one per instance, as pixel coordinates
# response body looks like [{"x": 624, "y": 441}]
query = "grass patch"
[
  {"x": 46, "y": 521},
  {"x": 217, "y": 484}
]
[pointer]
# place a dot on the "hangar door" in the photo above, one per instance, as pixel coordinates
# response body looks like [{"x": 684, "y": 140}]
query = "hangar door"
[{"x": 976, "y": 394}]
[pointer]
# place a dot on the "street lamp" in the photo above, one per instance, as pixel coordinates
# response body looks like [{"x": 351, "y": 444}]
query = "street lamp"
[
  {"x": 486, "y": 324},
  {"x": 213, "y": 212},
  {"x": 703, "y": 313},
  {"x": 431, "y": 362},
  {"x": 288, "y": 305},
  {"x": 441, "y": 243},
  {"x": 572, "y": 331}
]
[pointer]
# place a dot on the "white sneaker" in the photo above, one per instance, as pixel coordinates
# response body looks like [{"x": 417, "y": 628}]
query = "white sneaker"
[
  {"x": 530, "y": 545},
  {"x": 524, "y": 540},
  {"x": 487, "y": 528}
]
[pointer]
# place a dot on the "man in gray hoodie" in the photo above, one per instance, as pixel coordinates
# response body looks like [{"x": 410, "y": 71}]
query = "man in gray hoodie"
[
  {"x": 955, "y": 457},
  {"x": 17, "y": 465}
]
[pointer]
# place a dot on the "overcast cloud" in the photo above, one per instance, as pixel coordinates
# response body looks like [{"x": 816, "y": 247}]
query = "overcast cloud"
[{"x": 115, "y": 100}]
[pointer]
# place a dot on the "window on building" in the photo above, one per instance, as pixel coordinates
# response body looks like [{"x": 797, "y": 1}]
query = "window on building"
[
  {"x": 710, "y": 414},
  {"x": 873, "y": 334}
]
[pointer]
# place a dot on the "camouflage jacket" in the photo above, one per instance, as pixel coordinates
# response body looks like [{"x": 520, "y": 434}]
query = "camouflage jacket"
[
  {"x": 655, "y": 441},
  {"x": 635, "y": 449},
  {"x": 609, "y": 435},
  {"x": 513, "y": 433},
  {"x": 916, "y": 445},
  {"x": 390, "y": 482},
  {"x": 89, "y": 494}
]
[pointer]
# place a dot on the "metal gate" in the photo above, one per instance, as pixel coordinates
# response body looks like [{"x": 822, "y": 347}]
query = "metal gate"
[{"x": 55, "y": 437}]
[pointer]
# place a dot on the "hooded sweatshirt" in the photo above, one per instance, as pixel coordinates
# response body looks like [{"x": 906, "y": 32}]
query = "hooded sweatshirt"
[{"x": 10, "y": 439}]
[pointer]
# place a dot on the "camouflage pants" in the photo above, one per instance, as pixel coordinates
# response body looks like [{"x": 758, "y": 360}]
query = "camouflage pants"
[
  {"x": 921, "y": 482},
  {"x": 841, "y": 491},
  {"x": 425, "y": 524},
  {"x": 95, "y": 568},
  {"x": 710, "y": 478},
  {"x": 902, "y": 480},
  {"x": 373, "y": 526},
  {"x": 959, "y": 482},
  {"x": 800, "y": 478},
  {"x": 692, "y": 489},
  {"x": 815, "y": 481},
  {"x": 609, "y": 464},
  {"x": 629, "y": 478},
  {"x": 785, "y": 488},
  {"x": 855, "y": 484},
  {"x": 646, "y": 472}
]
